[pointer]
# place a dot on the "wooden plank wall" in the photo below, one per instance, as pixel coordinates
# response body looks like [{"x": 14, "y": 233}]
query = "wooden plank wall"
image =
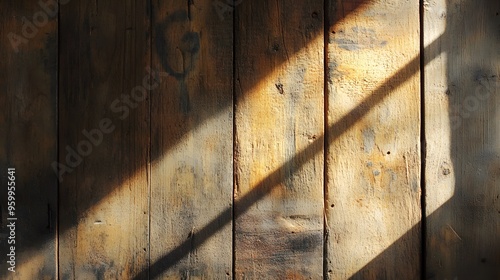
[
  {"x": 279, "y": 114},
  {"x": 192, "y": 140},
  {"x": 104, "y": 139},
  {"x": 211, "y": 139},
  {"x": 28, "y": 140},
  {"x": 462, "y": 56},
  {"x": 373, "y": 159}
]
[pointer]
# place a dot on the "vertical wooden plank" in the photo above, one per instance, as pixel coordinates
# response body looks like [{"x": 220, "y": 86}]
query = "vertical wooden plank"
[
  {"x": 192, "y": 124},
  {"x": 279, "y": 117},
  {"x": 462, "y": 132},
  {"x": 104, "y": 139},
  {"x": 373, "y": 158},
  {"x": 28, "y": 79}
]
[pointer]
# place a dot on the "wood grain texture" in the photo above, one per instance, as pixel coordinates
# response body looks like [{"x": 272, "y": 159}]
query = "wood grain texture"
[
  {"x": 463, "y": 156},
  {"x": 192, "y": 142},
  {"x": 104, "y": 198},
  {"x": 28, "y": 86},
  {"x": 279, "y": 123},
  {"x": 373, "y": 157},
  {"x": 233, "y": 111}
]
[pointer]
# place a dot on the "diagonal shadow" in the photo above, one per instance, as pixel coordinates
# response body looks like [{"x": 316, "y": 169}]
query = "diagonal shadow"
[
  {"x": 272, "y": 180},
  {"x": 461, "y": 235},
  {"x": 83, "y": 85},
  {"x": 258, "y": 191},
  {"x": 28, "y": 86}
]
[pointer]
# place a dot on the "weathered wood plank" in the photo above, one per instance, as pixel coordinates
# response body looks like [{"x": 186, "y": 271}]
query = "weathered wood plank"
[
  {"x": 279, "y": 115},
  {"x": 28, "y": 79},
  {"x": 373, "y": 157},
  {"x": 192, "y": 136},
  {"x": 104, "y": 139},
  {"x": 463, "y": 155}
]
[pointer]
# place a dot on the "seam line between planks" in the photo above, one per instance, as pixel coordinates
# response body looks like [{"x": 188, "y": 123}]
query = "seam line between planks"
[
  {"x": 58, "y": 185},
  {"x": 423, "y": 145},
  {"x": 233, "y": 243},
  {"x": 149, "y": 171},
  {"x": 326, "y": 29}
]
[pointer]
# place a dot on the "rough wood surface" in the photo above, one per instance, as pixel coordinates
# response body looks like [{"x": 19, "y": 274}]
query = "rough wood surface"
[
  {"x": 373, "y": 157},
  {"x": 192, "y": 136},
  {"x": 144, "y": 156},
  {"x": 104, "y": 199},
  {"x": 279, "y": 115},
  {"x": 28, "y": 90},
  {"x": 462, "y": 55}
]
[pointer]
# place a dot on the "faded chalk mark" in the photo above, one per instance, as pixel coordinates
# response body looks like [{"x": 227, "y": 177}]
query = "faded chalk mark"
[
  {"x": 189, "y": 44},
  {"x": 358, "y": 38},
  {"x": 188, "y": 47},
  {"x": 368, "y": 140}
]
